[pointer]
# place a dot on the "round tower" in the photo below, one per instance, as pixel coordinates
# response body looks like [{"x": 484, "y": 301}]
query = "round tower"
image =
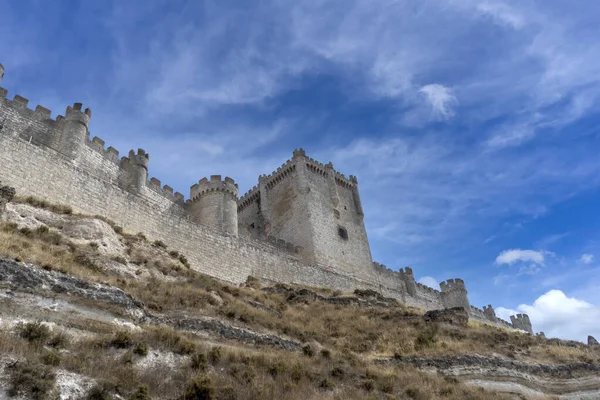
[
  {"x": 214, "y": 204},
  {"x": 522, "y": 321},
  {"x": 75, "y": 131},
  {"x": 454, "y": 294},
  {"x": 137, "y": 167}
]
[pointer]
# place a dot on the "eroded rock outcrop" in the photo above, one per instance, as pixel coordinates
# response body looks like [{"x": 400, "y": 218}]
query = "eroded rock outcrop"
[
  {"x": 531, "y": 380},
  {"x": 30, "y": 278},
  {"x": 7, "y": 194},
  {"x": 455, "y": 316},
  {"x": 308, "y": 296},
  {"x": 592, "y": 341}
]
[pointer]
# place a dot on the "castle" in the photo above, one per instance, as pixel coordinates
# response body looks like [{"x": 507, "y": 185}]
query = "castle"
[{"x": 302, "y": 224}]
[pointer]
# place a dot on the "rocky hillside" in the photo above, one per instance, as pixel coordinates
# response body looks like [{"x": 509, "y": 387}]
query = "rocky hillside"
[{"x": 88, "y": 311}]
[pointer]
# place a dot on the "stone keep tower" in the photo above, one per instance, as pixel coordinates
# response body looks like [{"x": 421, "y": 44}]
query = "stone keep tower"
[
  {"x": 454, "y": 294},
  {"x": 71, "y": 139},
  {"x": 521, "y": 321},
  {"x": 214, "y": 204},
  {"x": 315, "y": 207}
]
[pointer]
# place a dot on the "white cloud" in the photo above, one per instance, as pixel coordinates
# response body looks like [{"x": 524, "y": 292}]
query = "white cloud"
[
  {"x": 512, "y": 256},
  {"x": 558, "y": 315},
  {"x": 505, "y": 314},
  {"x": 430, "y": 281},
  {"x": 586, "y": 258},
  {"x": 441, "y": 99}
]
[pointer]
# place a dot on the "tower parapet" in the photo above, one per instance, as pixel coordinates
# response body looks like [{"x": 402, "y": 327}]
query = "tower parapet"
[
  {"x": 454, "y": 294},
  {"x": 213, "y": 203},
  {"x": 74, "y": 133},
  {"x": 521, "y": 321}
]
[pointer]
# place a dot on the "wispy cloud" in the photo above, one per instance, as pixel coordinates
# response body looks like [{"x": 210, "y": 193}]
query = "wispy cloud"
[
  {"x": 441, "y": 99},
  {"x": 586, "y": 258},
  {"x": 514, "y": 255}
]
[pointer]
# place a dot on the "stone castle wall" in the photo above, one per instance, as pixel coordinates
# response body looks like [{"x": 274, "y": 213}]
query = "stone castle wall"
[{"x": 93, "y": 180}]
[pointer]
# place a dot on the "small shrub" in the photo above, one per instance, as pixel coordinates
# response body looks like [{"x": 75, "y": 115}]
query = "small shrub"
[
  {"x": 32, "y": 381},
  {"x": 214, "y": 355},
  {"x": 51, "y": 358},
  {"x": 199, "y": 362},
  {"x": 199, "y": 388},
  {"x": 142, "y": 393},
  {"x": 127, "y": 358},
  {"x": 94, "y": 245},
  {"x": 413, "y": 393},
  {"x": 120, "y": 260},
  {"x": 118, "y": 229},
  {"x": 326, "y": 353},
  {"x": 369, "y": 385},
  {"x": 141, "y": 236},
  {"x": 277, "y": 369},
  {"x": 426, "y": 338},
  {"x": 34, "y": 332},
  {"x": 337, "y": 372},
  {"x": 174, "y": 254},
  {"x": 86, "y": 261},
  {"x": 307, "y": 350},
  {"x": 58, "y": 340},
  {"x": 140, "y": 349},
  {"x": 122, "y": 340},
  {"x": 184, "y": 260},
  {"x": 253, "y": 282},
  {"x": 326, "y": 384},
  {"x": 159, "y": 243},
  {"x": 103, "y": 390},
  {"x": 186, "y": 347}
]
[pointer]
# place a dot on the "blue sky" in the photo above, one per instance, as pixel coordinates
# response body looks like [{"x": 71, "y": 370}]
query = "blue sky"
[{"x": 472, "y": 125}]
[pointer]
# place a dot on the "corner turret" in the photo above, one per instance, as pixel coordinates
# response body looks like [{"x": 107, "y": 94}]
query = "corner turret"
[
  {"x": 214, "y": 204},
  {"x": 521, "y": 321},
  {"x": 454, "y": 294},
  {"x": 75, "y": 131},
  {"x": 136, "y": 170}
]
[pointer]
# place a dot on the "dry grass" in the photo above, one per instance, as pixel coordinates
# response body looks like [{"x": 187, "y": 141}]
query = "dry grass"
[
  {"x": 351, "y": 335},
  {"x": 41, "y": 203}
]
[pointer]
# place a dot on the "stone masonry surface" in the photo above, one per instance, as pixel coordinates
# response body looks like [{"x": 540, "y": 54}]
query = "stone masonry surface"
[{"x": 303, "y": 224}]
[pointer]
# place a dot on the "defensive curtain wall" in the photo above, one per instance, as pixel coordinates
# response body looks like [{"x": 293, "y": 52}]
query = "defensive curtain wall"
[{"x": 54, "y": 159}]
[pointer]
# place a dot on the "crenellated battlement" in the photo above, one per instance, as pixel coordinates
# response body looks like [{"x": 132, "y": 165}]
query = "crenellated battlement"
[
  {"x": 427, "y": 289},
  {"x": 76, "y": 115},
  {"x": 206, "y": 187},
  {"x": 521, "y": 321},
  {"x": 278, "y": 175},
  {"x": 20, "y": 103},
  {"x": 453, "y": 284},
  {"x": 303, "y": 222},
  {"x": 489, "y": 312},
  {"x": 250, "y": 197}
]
